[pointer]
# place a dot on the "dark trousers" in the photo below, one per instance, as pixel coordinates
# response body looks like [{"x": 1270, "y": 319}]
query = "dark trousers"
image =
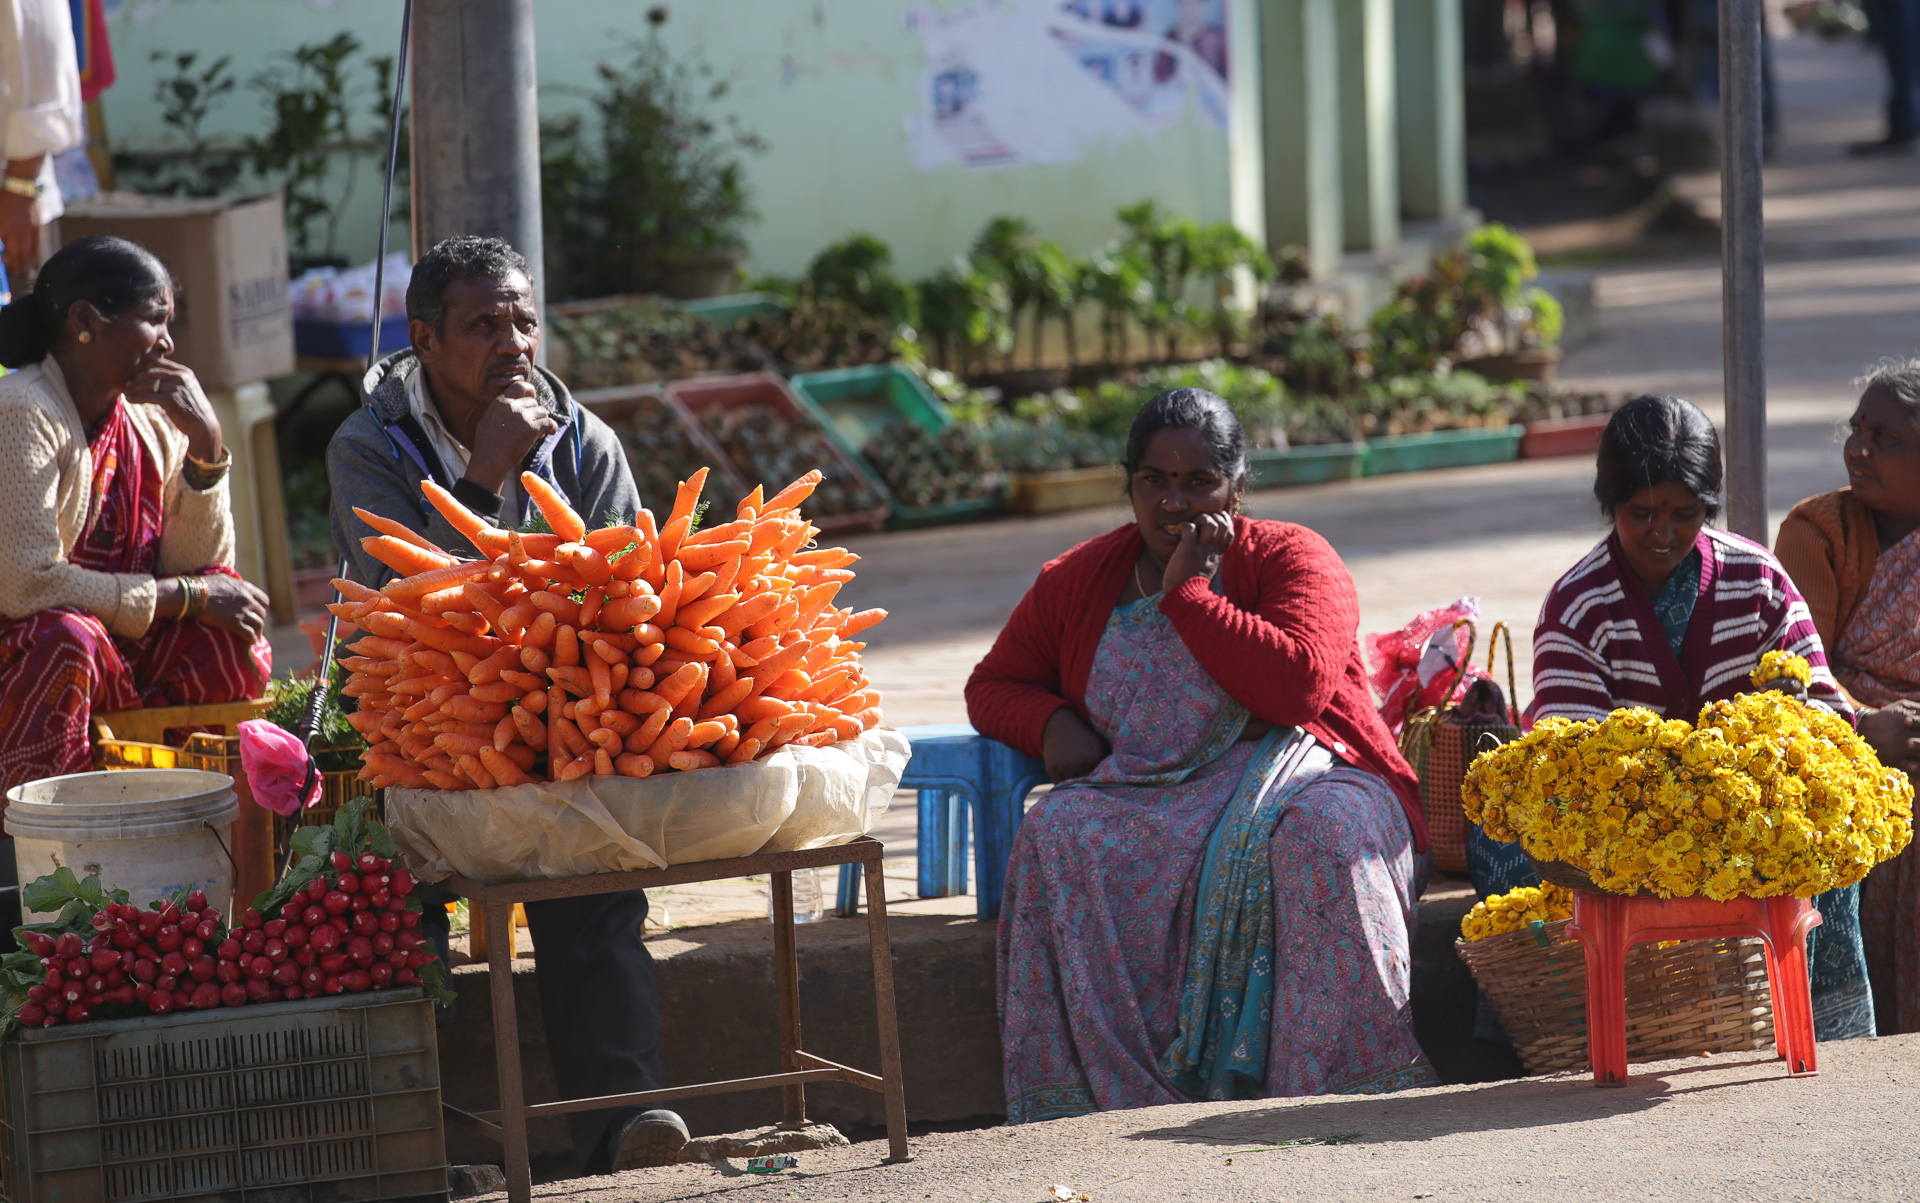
[
  {"x": 598, "y": 1003},
  {"x": 1896, "y": 26}
]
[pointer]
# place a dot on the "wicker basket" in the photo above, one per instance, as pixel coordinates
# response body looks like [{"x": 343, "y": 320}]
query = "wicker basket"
[
  {"x": 1440, "y": 752},
  {"x": 1683, "y": 999}
]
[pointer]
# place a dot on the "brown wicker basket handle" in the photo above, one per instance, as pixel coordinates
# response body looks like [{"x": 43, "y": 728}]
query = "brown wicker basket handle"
[
  {"x": 1500, "y": 632},
  {"x": 1460, "y": 674}
]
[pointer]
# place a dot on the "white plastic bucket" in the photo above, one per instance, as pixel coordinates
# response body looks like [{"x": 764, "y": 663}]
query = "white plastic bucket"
[{"x": 146, "y": 831}]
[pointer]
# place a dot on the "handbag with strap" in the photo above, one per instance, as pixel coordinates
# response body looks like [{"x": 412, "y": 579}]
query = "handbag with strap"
[{"x": 1441, "y": 741}]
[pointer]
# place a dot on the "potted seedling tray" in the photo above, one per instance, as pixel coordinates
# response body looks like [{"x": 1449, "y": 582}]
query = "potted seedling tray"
[
  {"x": 664, "y": 443},
  {"x": 1275, "y": 468},
  {"x": 867, "y": 403},
  {"x": 1442, "y": 449},
  {"x": 725, "y": 311},
  {"x": 771, "y": 437}
]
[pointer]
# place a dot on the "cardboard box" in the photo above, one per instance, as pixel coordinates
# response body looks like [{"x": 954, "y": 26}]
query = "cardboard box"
[{"x": 232, "y": 324}]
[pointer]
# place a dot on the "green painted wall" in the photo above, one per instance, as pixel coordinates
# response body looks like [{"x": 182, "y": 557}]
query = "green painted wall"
[{"x": 829, "y": 84}]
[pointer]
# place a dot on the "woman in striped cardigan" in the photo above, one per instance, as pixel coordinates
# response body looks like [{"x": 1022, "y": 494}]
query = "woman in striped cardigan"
[{"x": 1669, "y": 614}]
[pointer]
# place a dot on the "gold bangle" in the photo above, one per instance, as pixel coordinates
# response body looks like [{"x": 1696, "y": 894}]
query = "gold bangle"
[
  {"x": 196, "y": 603},
  {"x": 201, "y": 476}
]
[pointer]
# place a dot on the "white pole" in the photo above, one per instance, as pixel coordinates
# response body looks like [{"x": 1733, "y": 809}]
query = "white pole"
[{"x": 1743, "y": 266}]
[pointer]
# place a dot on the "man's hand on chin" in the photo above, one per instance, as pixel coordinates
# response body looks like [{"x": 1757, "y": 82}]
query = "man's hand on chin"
[{"x": 513, "y": 424}]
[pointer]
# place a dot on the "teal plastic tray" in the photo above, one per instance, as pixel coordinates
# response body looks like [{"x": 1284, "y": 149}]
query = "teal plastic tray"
[
  {"x": 1442, "y": 449},
  {"x": 860, "y": 404},
  {"x": 1275, "y": 469},
  {"x": 724, "y": 311}
]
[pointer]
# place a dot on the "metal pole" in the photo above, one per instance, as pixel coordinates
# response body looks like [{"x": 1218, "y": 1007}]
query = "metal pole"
[
  {"x": 1743, "y": 266},
  {"x": 476, "y": 126}
]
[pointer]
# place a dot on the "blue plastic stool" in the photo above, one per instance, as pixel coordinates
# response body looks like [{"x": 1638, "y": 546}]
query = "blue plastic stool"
[{"x": 965, "y": 780}]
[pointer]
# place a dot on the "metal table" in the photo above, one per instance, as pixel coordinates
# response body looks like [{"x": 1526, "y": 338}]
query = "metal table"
[{"x": 798, "y": 1067}]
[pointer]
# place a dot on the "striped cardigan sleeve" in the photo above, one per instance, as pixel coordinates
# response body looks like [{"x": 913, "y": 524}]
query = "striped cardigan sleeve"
[{"x": 1776, "y": 618}]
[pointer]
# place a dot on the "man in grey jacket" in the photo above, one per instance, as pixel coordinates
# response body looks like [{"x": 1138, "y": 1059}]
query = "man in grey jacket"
[{"x": 465, "y": 407}]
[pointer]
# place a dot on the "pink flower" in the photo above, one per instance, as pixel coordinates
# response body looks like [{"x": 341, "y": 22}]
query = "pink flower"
[{"x": 276, "y": 765}]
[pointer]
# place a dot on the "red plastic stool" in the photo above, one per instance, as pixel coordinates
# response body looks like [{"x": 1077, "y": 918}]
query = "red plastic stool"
[{"x": 1609, "y": 924}]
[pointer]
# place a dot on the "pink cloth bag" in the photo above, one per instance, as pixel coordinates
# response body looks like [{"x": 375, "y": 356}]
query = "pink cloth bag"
[{"x": 276, "y": 766}]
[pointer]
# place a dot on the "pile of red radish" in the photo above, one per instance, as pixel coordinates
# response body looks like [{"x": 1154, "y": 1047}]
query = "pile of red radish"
[{"x": 346, "y": 931}]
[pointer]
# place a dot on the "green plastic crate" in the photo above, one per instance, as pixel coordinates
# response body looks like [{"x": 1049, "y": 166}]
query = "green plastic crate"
[
  {"x": 327, "y": 1100},
  {"x": 1275, "y": 469},
  {"x": 1442, "y": 449},
  {"x": 860, "y": 404}
]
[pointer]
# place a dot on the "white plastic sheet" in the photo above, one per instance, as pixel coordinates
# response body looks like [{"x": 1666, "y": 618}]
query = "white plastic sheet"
[{"x": 796, "y": 798}]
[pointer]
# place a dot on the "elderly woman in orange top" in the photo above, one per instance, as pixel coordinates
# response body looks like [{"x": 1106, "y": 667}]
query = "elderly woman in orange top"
[
  {"x": 1855, "y": 555},
  {"x": 116, "y": 581}
]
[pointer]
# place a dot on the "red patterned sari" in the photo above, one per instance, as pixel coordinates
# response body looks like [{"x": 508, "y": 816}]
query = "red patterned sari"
[{"x": 59, "y": 666}]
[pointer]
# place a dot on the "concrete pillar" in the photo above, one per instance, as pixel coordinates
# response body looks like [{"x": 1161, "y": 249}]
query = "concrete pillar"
[
  {"x": 1432, "y": 108},
  {"x": 1369, "y": 155},
  {"x": 476, "y": 126},
  {"x": 1300, "y": 128}
]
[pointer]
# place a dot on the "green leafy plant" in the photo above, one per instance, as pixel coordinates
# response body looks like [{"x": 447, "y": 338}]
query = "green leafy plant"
[
  {"x": 317, "y": 94},
  {"x": 1472, "y": 302},
  {"x": 966, "y": 308},
  {"x": 656, "y": 176},
  {"x": 859, "y": 271},
  {"x": 193, "y": 163},
  {"x": 1042, "y": 281},
  {"x": 337, "y": 745}
]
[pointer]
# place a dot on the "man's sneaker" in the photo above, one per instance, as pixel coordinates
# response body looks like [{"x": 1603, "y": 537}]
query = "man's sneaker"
[{"x": 649, "y": 1138}]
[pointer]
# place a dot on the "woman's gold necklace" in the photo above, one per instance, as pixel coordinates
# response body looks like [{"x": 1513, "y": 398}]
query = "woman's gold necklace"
[{"x": 1138, "y": 581}]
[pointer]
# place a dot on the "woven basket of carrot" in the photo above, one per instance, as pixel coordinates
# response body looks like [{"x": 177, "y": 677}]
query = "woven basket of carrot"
[{"x": 624, "y": 651}]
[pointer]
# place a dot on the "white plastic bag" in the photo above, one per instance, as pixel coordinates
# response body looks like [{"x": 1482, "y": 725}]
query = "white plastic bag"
[{"x": 554, "y": 829}]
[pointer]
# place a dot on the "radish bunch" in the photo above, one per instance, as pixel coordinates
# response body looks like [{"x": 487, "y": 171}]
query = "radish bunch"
[
  {"x": 163, "y": 959},
  {"x": 344, "y": 932}
]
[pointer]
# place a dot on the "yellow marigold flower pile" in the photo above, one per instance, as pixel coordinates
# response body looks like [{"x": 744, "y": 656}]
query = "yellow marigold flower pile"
[
  {"x": 1764, "y": 796},
  {"x": 1778, "y": 666},
  {"x": 1516, "y": 909}
]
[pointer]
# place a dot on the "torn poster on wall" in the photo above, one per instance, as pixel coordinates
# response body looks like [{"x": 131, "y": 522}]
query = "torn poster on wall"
[{"x": 1015, "y": 82}]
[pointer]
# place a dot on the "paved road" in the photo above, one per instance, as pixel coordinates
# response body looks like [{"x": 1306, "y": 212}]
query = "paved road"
[
  {"x": 1729, "y": 1127},
  {"x": 1844, "y": 237}
]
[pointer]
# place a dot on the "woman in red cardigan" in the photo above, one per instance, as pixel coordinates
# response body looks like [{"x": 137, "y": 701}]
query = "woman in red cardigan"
[{"x": 1216, "y": 898}]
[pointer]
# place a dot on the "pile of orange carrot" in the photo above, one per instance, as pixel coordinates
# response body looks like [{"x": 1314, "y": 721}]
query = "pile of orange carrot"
[{"x": 628, "y": 650}]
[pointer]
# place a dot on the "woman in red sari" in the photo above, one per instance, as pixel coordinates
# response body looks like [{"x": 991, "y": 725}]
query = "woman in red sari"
[{"x": 116, "y": 543}]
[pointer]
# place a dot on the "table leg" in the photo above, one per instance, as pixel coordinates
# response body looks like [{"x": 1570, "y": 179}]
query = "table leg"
[
  {"x": 506, "y": 1050},
  {"x": 886, "y": 1021},
  {"x": 786, "y": 971}
]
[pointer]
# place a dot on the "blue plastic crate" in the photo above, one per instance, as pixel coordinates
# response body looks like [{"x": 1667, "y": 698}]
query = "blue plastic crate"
[{"x": 347, "y": 340}]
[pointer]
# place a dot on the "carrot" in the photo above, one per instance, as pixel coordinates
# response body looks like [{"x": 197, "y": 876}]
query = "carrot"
[
  {"x": 727, "y": 744},
  {"x": 634, "y": 564},
  {"x": 702, "y": 734},
  {"x": 450, "y": 641},
  {"x": 606, "y": 739},
  {"x": 435, "y": 662},
  {"x": 405, "y": 534},
  {"x": 646, "y": 634},
  {"x": 497, "y": 691},
  {"x": 620, "y": 721},
  {"x": 483, "y": 602},
  {"x": 445, "y": 781},
  {"x": 404, "y": 557},
  {"x": 641, "y": 701},
  {"x": 671, "y": 740},
  {"x": 746, "y": 750},
  {"x": 728, "y": 573},
  {"x": 573, "y": 770},
  {"x": 751, "y": 503},
  {"x": 650, "y": 729},
  {"x": 386, "y": 624},
  {"x": 687, "y": 497},
  {"x": 482, "y": 534},
  {"x": 354, "y": 591},
  {"x": 344, "y": 611},
  {"x": 774, "y": 667},
  {"x": 602, "y": 682},
  {"x": 531, "y": 729},
  {"x": 566, "y": 647},
  {"x": 671, "y": 536},
  {"x": 790, "y": 497},
  {"x": 504, "y": 731},
  {"x": 610, "y": 540},
  {"x": 574, "y": 679},
  {"x": 693, "y": 643},
  {"x": 693, "y": 588},
  {"x": 536, "y": 700},
  {"x": 559, "y": 515},
  {"x": 745, "y": 612},
  {"x": 825, "y": 557},
  {"x": 588, "y": 563},
  {"x": 562, "y": 731},
  {"x": 676, "y": 687},
  {"x": 649, "y": 655},
  {"x": 694, "y": 615},
  {"x": 689, "y": 706},
  {"x": 505, "y": 772},
  {"x": 405, "y": 773},
  {"x": 784, "y": 615},
  {"x": 726, "y": 532},
  {"x": 563, "y": 608},
  {"x": 627, "y": 612},
  {"x": 541, "y": 632},
  {"x": 720, "y": 674},
  {"x": 754, "y": 709},
  {"x": 633, "y": 764},
  {"x": 467, "y": 622},
  {"x": 602, "y": 763},
  {"x": 459, "y": 745},
  {"x": 469, "y": 709},
  {"x": 726, "y": 699},
  {"x": 813, "y": 602},
  {"x": 590, "y": 605},
  {"x": 490, "y": 668},
  {"x": 689, "y": 761},
  {"x": 517, "y": 617},
  {"x": 711, "y": 555}
]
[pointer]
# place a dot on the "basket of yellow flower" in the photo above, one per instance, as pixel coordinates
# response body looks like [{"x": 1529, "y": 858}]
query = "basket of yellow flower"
[
  {"x": 1683, "y": 999},
  {"x": 1764, "y": 796}
]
